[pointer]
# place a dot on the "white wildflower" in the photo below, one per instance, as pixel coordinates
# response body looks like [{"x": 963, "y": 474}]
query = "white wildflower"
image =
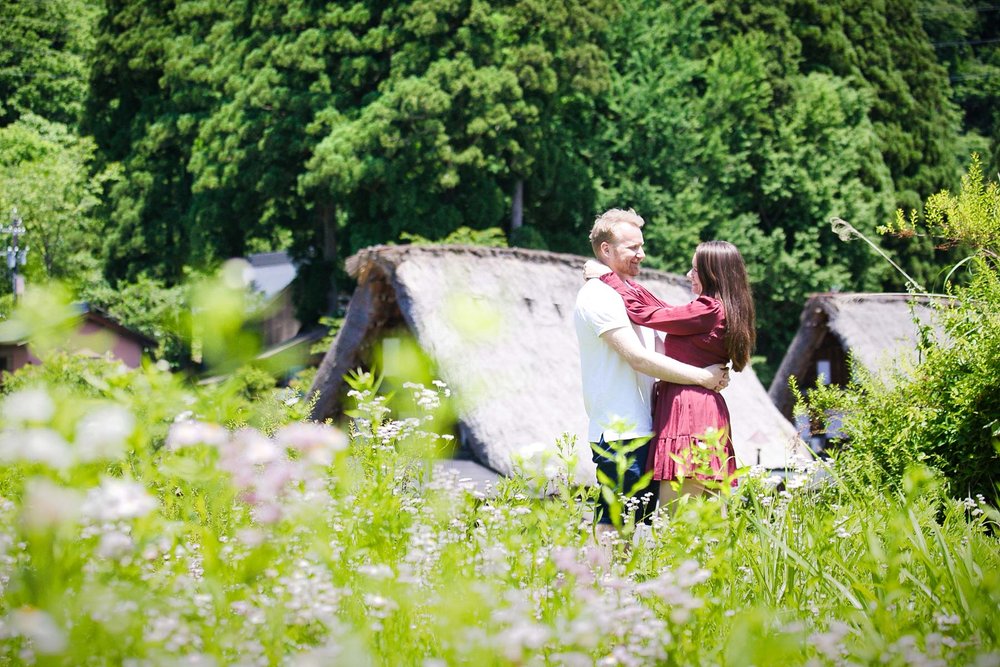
[
  {"x": 251, "y": 537},
  {"x": 321, "y": 656},
  {"x": 189, "y": 432},
  {"x": 40, "y": 628},
  {"x": 28, "y": 405},
  {"x": 796, "y": 482},
  {"x": 266, "y": 513},
  {"x": 379, "y": 571},
  {"x": 520, "y": 637},
  {"x": 102, "y": 434},
  {"x": 118, "y": 499},
  {"x": 945, "y": 621},
  {"x": 427, "y": 399},
  {"x": 673, "y": 587},
  {"x": 379, "y": 606},
  {"x": 572, "y": 659},
  {"x": 830, "y": 644},
  {"x": 41, "y": 445},
  {"x": 536, "y": 461},
  {"x": 254, "y": 447},
  {"x": 988, "y": 660},
  {"x": 47, "y": 505},
  {"x": 388, "y": 431},
  {"x": 114, "y": 545}
]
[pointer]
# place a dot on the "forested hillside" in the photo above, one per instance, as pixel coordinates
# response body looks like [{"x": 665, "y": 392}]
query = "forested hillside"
[{"x": 142, "y": 141}]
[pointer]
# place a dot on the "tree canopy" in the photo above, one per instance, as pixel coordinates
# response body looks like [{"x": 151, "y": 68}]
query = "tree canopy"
[{"x": 205, "y": 129}]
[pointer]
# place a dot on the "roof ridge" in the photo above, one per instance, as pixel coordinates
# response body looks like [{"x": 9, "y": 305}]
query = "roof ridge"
[{"x": 395, "y": 253}]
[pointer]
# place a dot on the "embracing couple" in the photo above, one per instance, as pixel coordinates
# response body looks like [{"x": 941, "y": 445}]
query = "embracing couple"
[{"x": 642, "y": 387}]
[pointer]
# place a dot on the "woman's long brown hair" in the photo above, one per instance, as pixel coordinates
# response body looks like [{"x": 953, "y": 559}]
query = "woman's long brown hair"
[{"x": 723, "y": 275}]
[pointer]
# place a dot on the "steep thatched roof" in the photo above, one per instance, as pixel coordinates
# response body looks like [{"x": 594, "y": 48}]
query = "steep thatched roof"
[
  {"x": 499, "y": 324},
  {"x": 877, "y": 330}
]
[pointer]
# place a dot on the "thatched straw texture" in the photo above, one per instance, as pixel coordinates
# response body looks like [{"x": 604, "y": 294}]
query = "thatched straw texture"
[
  {"x": 877, "y": 330},
  {"x": 499, "y": 323}
]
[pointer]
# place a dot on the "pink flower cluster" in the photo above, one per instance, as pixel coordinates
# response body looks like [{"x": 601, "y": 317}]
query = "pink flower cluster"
[{"x": 263, "y": 468}]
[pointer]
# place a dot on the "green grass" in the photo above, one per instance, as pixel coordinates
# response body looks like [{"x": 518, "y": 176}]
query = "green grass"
[{"x": 369, "y": 560}]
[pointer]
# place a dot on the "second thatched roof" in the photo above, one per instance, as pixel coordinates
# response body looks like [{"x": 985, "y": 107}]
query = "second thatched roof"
[{"x": 879, "y": 331}]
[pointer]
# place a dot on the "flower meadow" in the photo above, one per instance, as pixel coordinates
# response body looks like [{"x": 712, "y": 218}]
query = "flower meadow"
[
  {"x": 147, "y": 518},
  {"x": 143, "y": 521}
]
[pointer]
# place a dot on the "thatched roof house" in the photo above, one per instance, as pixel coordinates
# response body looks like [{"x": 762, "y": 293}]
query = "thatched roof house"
[
  {"x": 880, "y": 331},
  {"x": 499, "y": 324}
]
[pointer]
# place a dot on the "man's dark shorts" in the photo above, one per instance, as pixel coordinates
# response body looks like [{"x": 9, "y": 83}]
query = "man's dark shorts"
[{"x": 637, "y": 466}]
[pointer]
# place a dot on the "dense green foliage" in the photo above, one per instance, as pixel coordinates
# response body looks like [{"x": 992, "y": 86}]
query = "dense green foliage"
[
  {"x": 346, "y": 126},
  {"x": 945, "y": 412},
  {"x": 146, "y": 517},
  {"x": 218, "y": 128},
  {"x": 717, "y": 148},
  {"x": 45, "y": 58},
  {"x": 965, "y": 38},
  {"x": 47, "y": 173}
]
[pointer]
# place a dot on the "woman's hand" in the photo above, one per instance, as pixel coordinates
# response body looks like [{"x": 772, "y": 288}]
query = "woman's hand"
[{"x": 594, "y": 269}]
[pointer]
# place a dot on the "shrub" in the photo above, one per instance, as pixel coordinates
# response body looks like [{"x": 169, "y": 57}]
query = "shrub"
[
  {"x": 946, "y": 413},
  {"x": 491, "y": 237},
  {"x": 527, "y": 236}
]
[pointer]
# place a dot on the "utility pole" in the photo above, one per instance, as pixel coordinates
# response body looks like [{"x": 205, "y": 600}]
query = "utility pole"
[{"x": 16, "y": 255}]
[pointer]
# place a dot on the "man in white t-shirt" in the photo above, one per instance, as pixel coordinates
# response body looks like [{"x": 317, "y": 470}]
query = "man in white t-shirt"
[{"x": 620, "y": 362}]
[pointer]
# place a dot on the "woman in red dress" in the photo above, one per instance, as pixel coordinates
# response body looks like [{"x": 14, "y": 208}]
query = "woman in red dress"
[{"x": 717, "y": 327}]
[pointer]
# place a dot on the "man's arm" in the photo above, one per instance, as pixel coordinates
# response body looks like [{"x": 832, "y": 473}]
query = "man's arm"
[{"x": 624, "y": 341}]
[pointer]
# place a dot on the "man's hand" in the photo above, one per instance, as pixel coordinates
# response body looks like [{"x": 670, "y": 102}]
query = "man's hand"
[
  {"x": 594, "y": 269},
  {"x": 719, "y": 378}
]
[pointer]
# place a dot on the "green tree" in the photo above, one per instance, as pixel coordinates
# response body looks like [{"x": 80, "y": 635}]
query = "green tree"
[
  {"x": 882, "y": 49},
  {"x": 881, "y": 46},
  {"x": 44, "y": 59},
  {"x": 470, "y": 101},
  {"x": 45, "y": 171},
  {"x": 345, "y": 124},
  {"x": 702, "y": 138},
  {"x": 144, "y": 112},
  {"x": 965, "y": 38}
]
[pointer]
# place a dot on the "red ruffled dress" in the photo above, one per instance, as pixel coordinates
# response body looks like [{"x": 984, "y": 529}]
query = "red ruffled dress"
[{"x": 682, "y": 413}]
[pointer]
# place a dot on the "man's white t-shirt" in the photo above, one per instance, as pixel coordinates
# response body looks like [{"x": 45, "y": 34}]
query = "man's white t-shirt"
[{"x": 613, "y": 393}]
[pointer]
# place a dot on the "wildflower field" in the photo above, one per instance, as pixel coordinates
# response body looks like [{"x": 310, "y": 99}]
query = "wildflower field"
[
  {"x": 146, "y": 523},
  {"x": 147, "y": 518}
]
